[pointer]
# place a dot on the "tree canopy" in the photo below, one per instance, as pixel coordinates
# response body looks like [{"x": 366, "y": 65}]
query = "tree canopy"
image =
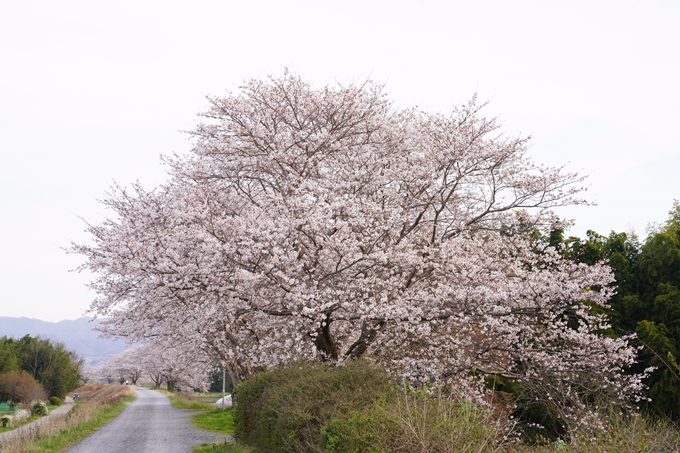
[
  {"x": 647, "y": 299},
  {"x": 326, "y": 224},
  {"x": 49, "y": 363}
]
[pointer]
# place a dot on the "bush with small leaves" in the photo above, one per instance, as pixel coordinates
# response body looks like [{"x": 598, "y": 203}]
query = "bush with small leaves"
[
  {"x": 39, "y": 407},
  {"x": 55, "y": 401},
  {"x": 6, "y": 421}
]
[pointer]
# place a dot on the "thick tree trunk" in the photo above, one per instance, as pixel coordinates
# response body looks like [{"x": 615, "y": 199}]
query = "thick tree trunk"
[
  {"x": 359, "y": 347},
  {"x": 325, "y": 343}
]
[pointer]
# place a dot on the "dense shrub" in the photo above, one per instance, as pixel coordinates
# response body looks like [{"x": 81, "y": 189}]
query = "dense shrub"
[
  {"x": 284, "y": 410},
  {"x": 6, "y": 421},
  {"x": 39, "y": 407},
  {"x": 20, "y": 386},
  {"x": 55, "y": 401}
]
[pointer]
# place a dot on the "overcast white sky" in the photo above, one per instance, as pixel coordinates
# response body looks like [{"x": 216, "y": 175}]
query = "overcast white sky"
[{"x": 96, "y": 91}]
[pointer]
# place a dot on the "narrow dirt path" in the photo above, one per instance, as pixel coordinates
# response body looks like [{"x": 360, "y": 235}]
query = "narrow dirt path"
[{"x": 148, "y": 425}]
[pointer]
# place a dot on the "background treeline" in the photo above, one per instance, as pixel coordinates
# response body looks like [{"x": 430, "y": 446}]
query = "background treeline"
[
  {"x": 50, "y": 364},
  {"x": 647, "y": 299}
]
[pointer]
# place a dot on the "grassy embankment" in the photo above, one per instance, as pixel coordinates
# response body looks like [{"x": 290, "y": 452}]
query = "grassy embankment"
[{"x": 99, "y": 403}]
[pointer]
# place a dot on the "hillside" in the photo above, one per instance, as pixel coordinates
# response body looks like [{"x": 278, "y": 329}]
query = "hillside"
[{"x": 77, "y": 335}]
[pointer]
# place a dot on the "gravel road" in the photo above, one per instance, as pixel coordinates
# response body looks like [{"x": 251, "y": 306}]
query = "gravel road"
[{"x": 148, "y": 425}]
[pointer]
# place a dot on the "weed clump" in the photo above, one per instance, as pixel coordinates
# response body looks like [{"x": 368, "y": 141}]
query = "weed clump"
[{"x": 414, "y": 421}]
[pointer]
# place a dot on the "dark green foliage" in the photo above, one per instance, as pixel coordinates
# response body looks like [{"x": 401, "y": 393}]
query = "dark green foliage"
[
  {"x": 216, "y": 384},
  {"x": 647, "y": 299},
  {"x": 536, "y": 422},
  {"x": 55, "y": 368},
  {"x": 55, "y": 401},
  {"x": 284, "y": 410}
]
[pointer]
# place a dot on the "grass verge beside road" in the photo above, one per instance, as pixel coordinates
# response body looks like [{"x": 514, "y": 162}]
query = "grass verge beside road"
[
  {"x": 226, "y": 447},
  {"x": 219, "y": 421},
  {"x": 191, "y": 401},
  {"x": 99, "y": 404},
  {"x": 216, "y": 420}
]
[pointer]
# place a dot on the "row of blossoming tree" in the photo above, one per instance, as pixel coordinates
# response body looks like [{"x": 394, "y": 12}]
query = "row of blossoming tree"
[
  {"x": 156, "y": 363},
  {"x": 327, "y": 224}
]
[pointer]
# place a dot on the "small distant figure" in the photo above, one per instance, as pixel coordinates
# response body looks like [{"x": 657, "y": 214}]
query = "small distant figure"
[
  {"x": 126, "y": 382},
  {"x": 76, "y": 396}
]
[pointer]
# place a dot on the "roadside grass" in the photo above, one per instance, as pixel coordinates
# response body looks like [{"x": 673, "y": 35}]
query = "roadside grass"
[
  {"x": 218, "y": 420},
  {"x": 208, "y": 397},
  {"x": 215, "y": 420},
  {"x": 99, "y": 404},
  {"x": 225, "y": 447},
  {"x": 191, "y": 401}
]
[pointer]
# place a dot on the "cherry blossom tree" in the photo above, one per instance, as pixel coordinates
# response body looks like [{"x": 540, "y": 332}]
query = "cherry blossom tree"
[
  {"x": 128, "y": 365},
  {"x": 178, "y": 368},
  {"x": 181, "y": 369},
  {"x": 106, "y": 372},
  {"x": 91, "y": 374},
  {"x": 327, "y": 224}
]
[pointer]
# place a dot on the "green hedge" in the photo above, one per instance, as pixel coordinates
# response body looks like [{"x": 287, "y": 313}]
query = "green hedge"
[{"x": 285, "y": 410}]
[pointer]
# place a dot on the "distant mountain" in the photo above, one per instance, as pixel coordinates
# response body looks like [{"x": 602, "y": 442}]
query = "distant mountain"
[{"x": 77, "y": 335}]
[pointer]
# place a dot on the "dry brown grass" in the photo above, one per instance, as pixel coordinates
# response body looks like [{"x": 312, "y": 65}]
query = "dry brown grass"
[
  {"x": 94, "y": 399},
  {"x": 99, "y": 393}
]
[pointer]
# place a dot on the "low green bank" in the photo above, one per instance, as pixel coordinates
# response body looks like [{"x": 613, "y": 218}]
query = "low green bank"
[
  {"x": 225, "y": 447},
  {"x": 218, "y": 420}
]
